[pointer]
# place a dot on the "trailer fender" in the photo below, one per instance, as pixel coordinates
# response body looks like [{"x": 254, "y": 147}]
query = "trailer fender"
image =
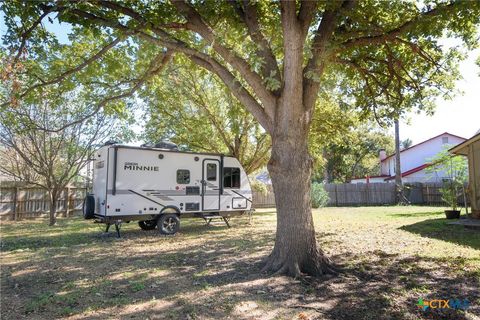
[{"x": 170, "y": 209}]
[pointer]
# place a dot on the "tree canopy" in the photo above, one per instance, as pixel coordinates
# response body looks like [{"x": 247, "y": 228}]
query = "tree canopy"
[{"x": 377, "y": 52}]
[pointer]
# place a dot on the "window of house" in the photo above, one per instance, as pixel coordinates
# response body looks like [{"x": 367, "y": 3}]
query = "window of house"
[
  {"x": 211, "y": 172},
  {"x": 444, "y": 140},
  {"x": 183, "y": 176},
  {"x": 231, "y": 177}
]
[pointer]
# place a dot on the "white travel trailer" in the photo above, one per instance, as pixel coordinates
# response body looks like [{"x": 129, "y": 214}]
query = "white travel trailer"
[{"x": 158, "y": 185}]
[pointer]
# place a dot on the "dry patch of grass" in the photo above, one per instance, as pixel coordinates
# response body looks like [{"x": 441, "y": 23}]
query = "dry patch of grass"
[{"x": 390, "y": 257}]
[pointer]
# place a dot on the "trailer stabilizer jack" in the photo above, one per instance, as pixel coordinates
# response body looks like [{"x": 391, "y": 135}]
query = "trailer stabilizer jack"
[
  {"x": 208, "y": 219},
  {"x": 117, "y": 227}
]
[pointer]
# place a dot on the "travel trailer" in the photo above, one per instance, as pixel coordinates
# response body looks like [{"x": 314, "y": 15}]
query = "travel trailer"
[{"x": 158, "y": 185}]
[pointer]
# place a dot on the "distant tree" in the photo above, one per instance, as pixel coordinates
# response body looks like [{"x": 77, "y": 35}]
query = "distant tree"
[
  {"x": 39, "y": 150},
  {"x": 407, "y": 143},
  {"x": 398, "y": 164},
  {"x": 344, "y": 144},
  {"x": 195, "y": 110}
]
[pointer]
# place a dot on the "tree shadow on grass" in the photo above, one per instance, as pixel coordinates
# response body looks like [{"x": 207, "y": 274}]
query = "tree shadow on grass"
[
  {"x": 218, "y": 276},
  {"x": 388, "y": 286},
  {"x": 66, "y": 282},
  {"x": 77, "y": 232},
  {"x": 440, "y": 230},
  {"x": 414, "y": 214}
]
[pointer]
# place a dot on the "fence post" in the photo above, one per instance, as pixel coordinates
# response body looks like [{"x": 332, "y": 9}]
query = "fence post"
[
  {"x": 366, "y": 194},
  {"x": 15, "y": 200},
  {"x": 336, "y": 196}
]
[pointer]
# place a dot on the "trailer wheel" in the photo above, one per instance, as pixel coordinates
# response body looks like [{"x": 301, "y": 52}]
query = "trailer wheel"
[
  {"x": 168, "y": 223},
  {"x": 147, "y": 224},
  {"x": 88, "y": 207}
]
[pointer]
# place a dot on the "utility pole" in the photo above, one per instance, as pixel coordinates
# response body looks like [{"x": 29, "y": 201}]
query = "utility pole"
[{"x": 398, "y": 171}]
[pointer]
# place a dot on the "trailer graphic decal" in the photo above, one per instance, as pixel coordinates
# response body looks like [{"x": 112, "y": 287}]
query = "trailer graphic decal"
[
  {"x": 134, "y": 166},
  {"x": 141, "y": 195},
  {"x": 241, "y": 195}
]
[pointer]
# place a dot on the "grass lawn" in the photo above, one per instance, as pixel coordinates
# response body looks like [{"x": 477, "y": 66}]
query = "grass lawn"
[{"x": 389, "y": 256}]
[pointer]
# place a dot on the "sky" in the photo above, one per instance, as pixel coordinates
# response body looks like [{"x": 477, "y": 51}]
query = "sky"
[{"x": 459, "y": 116}]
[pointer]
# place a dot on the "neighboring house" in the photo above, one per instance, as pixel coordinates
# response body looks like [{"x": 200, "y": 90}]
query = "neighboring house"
[
  {"x": 264, "y": 177},
  {"x": 471, "y": 149},
  {"x": 413, "y": 161}
]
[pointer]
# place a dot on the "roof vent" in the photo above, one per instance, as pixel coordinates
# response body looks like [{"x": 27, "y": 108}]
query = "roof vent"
[
  {"x": 146, "y": 145},
  {"x": 166, "y": 145},
  {"x": 110, "y": 142}
]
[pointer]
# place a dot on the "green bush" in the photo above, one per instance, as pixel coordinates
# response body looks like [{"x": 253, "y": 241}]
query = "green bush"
[
  {"x": 258, "y": 186},
  {"x": 319, "y": 195}
]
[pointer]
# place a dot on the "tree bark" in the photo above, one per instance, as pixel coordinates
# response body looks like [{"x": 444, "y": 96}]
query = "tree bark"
[{"x": 296, "y": 250}]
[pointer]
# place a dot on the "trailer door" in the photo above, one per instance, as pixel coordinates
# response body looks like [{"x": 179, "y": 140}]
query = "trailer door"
[{"x": 211, "y": 185}]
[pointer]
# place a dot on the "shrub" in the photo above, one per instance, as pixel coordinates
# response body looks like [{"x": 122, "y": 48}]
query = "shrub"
[
  {"x": 319, "y": 195},
  {"x": 258, "y": 186}
]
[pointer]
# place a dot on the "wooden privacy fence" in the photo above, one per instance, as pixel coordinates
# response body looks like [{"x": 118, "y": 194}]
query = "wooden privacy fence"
[
  {"x": 18, "y": 203},
  {"x": 368, "y": 194},
  {"x": 262, "y": 199}
]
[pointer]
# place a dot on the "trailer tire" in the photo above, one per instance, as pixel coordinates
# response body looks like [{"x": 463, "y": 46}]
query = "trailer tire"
[
  {"x": 88, "y": 207},
  {"x": 147, "y": 224},
  {"x": 168, "y": 223}
]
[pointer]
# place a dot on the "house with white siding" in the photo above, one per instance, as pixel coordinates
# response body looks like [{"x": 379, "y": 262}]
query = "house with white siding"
[{"x": 413, "y": 161}]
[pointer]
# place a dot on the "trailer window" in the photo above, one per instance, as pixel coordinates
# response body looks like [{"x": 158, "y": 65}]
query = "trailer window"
[
  {"x": 183, "y": 176},
  {"x": 231, "y": 177},
  {"x": 211, "y": 171}
]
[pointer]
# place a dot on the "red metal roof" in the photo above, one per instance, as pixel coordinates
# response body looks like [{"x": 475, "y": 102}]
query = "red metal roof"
[
  {"x": 409, "y": 172},
  {"x": 380, "y": 176},
  {"x": 416, "y": 145}
]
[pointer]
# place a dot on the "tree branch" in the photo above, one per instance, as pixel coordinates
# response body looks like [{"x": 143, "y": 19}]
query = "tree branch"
[
  {"x": 27, "y": 33},
  {"x": 65, "y": 74},
  {"x": 315, "y": 65},
  {"x": 197, "y": 57},
  {"x": 238, "y": 91},
  {"x": 308, "y": 9},
  {"x": 248, "y": 14},
  {"x": 395, "y": 32},
  {"x": 197, "y": 24}
]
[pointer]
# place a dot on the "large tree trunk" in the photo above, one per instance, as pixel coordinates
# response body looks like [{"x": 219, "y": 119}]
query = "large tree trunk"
[{"x": 296, "y": 250}]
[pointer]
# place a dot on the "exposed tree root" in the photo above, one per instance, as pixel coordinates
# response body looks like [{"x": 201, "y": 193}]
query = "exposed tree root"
[{"x": 297, "y": 267}]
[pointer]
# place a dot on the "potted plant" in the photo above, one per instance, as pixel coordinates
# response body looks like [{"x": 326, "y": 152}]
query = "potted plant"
[
  {"x": 450, "y": 196},
  {"x": 454, "y": 168}
]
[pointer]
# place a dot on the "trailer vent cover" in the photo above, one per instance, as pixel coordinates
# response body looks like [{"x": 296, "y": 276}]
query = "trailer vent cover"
[
  {"x": 192, "y": 206},
  {"x": 166, "y": 145}
]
